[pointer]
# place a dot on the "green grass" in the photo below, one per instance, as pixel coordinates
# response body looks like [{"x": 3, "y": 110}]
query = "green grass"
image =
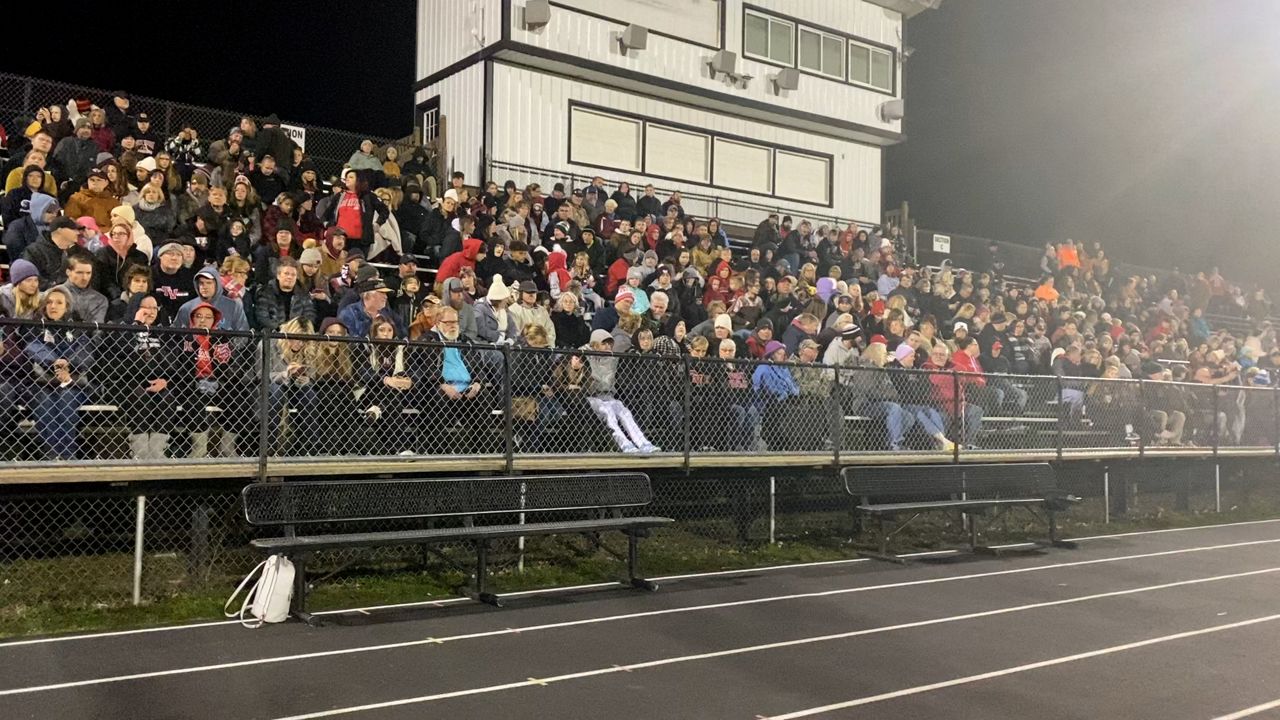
[{"x": 54, "y": 595}]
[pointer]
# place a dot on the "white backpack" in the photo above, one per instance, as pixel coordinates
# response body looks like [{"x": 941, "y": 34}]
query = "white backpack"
[{"x": 269, "y": 598}]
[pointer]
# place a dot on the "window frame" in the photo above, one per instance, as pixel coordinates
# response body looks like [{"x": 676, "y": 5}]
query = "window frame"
[
  {"x": 823, "y": 36},
  {"x": 800, "y": 25},
  {"x": 872, "y": 51},
  {"x": 769, "y": 20}
]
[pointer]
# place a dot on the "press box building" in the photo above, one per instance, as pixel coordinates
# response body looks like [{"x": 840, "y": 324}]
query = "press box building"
[{"x": 760, "y": 104}]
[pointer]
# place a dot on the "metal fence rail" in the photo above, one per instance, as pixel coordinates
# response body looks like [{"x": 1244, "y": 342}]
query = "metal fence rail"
[{"x": 81, "y": 395}]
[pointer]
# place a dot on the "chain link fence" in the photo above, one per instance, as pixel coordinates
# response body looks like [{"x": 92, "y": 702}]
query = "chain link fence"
[
  {"x": 265, "y": 399},
  {"x": 78, "y": 394},
  {"x": 21, "y": 97}
]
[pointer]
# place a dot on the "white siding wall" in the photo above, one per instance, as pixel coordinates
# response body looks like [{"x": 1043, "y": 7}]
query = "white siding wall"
[
  {"x": 591, "y": 38},
  {"x": 462, "y": 112},
  {"x": 530, "y": 111},
  {"x": 449, "y": 30}
]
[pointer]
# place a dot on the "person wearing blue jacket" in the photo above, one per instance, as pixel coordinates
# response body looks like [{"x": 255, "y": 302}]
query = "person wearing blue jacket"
[{"x": 774, "y": 386}]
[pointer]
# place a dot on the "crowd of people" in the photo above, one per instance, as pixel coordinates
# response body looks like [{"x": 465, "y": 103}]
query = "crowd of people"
[{"x": 597, "y": 305}]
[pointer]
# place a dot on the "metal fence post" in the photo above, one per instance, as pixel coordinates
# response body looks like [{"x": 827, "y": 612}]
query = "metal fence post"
[
  {"x": 958, "y": 414},
  {"x": 1217, "y": 440},
  {"x": 1061, "y": 419},
  {"x": 1143, "y": 421},
  {"x": 837, "y": 418},
  {"x": 140, "y": 519},
  {"x": 508, "y": 425},
  {"x": 773, "y": 509},
  {"x": 1106, "y": 495},
  {"x": 264, "y": 404},
  {"x": 686, "y": 409},
  {"x": 1275, "y": 419}
]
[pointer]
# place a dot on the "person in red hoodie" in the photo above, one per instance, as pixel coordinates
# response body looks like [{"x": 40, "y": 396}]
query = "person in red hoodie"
[
  {"x": 472, "y": 252},
  {"x": 558, "y": 277},
  {"x": 949, "y": 391},
  {"x": 618, "y": 271}
]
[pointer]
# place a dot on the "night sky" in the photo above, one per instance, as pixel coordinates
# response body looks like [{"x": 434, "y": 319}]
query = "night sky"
[{"x": 1146, "y": 124}]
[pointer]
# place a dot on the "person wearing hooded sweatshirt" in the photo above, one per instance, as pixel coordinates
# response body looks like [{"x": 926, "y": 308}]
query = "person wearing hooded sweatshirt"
[
  {"x": 611, "y": 411},
  {"x": 17, "y": 201},
  {"x": 114, "y": 259},
  {"x": 205, "y": 364},
  {"x": 27, "y": 229},
  {"x": 472, "y": 252},
  {"x": 455, "y": 296},
  {"x": 149, "y": 383},
  {"x": 209, "y": 290}
]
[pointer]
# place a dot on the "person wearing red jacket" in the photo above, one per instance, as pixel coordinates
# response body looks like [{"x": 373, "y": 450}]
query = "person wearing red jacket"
[
  {"x": 617, "y": 276},
  {"x": 949, "y": 391},
  {"x": 472, "y": 252}
]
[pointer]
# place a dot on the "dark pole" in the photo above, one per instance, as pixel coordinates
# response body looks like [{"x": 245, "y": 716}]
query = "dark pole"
[
  {"x": 264, "y": 404},
  {"x": 958, "y": 415},
  {"x": 1061, "y": 419},
  {"x": 508, "y": 434}
]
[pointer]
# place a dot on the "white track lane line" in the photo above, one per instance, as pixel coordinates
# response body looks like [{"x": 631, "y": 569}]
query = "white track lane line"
[
  {"x": 360, "y": 649},
  {"x": 452, "y": 600},
  {"x": 1176, "y": 530},
  {"x": 1036, "y": 666},
  {"x": 429, "y": 603},
  {"x": 1248, "y": 712},
  {"x": 542, "y": 682}
]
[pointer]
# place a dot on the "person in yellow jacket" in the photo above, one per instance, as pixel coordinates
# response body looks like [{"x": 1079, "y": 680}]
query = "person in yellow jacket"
[{"x": 17, "y": 176}]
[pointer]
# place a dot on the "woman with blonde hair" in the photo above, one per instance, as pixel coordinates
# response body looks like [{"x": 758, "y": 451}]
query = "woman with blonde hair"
[
  {"x": 334, "y": 381},
  {"x": 20, "y": 298},
  {"x": 293, "y": 396}
]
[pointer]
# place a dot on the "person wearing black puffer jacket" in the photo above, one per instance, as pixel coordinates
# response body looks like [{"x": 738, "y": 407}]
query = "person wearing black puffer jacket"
[{"x": 282, "y": 298}]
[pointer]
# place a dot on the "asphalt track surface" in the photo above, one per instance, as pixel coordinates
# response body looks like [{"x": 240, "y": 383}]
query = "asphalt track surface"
[{"x": 1169, "y": 625}]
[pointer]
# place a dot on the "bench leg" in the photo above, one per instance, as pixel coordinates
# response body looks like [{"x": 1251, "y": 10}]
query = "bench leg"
[
  {"x": 482, "y": 568},
  {"x": 633, "y": 561},
  {"x": 299, "y": 604}
]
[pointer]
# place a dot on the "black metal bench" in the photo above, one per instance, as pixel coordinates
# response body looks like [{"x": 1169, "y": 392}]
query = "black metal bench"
[
  {"x": 598, "y": 498},
  {"x": 972, "y": 490}
]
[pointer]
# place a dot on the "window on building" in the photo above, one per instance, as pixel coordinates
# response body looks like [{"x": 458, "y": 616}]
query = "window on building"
[
  {"x": 768, "y": 38},
  {"x": 803, "y": 177},
  {"x": 822, "y": 53},
  {"x": 742, "y": 166},
  {"x": 604, "y": 140},
  {"x": 681, "y": 154},
  {"x": 429, "y": 119},
  {"x": 871, "y": 66}
]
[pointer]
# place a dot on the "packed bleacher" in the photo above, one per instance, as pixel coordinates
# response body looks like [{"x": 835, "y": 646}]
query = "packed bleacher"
[{"x": 184, "y": 293}]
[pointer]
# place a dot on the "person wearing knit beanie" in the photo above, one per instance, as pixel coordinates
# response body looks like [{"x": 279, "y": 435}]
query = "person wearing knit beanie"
[{"x": 20, "y": 298}]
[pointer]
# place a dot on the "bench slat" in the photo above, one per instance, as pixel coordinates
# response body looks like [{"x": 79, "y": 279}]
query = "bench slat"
[
  {"x": 974, "y": 481},
  {"x": 491, "y": 532},
  {"x": 288, "y": 503},
  {"x": 886, "y": 508}
]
